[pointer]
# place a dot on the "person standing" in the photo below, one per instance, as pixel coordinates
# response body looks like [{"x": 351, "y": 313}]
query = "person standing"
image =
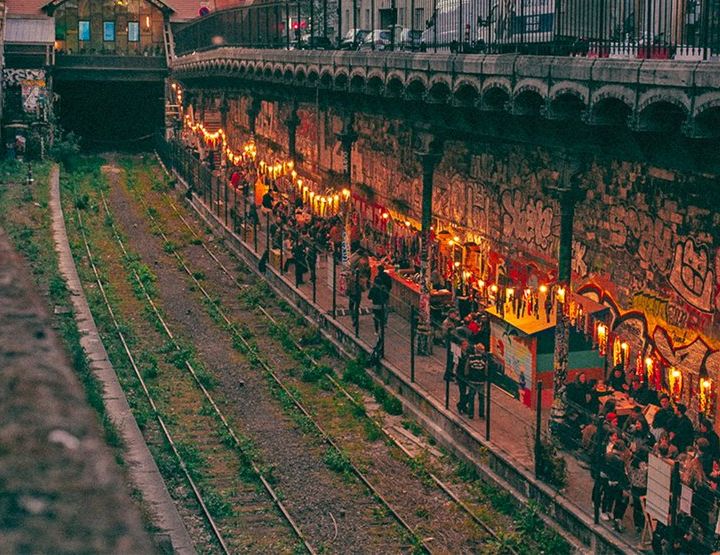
[
  {"x": 477, "y": 373},
  {"x": 383, "y": 278},
  {"x": 378, "y": 295},
  {"x": 461, "y": 375},
  {"x": 354, "y": 293}
]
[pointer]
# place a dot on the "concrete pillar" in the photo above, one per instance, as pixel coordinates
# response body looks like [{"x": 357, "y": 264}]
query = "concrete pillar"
[
  {"x": 252, "y": 112},
  {"x": 347, "y": 137},
  {"x": 292, "y": 124},
  {"x": 429, "y": 155},
  {"x": 567, "y": 191}
]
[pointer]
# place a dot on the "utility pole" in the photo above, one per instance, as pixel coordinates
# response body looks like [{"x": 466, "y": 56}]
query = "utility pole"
[{"x": 429, "y": 153}]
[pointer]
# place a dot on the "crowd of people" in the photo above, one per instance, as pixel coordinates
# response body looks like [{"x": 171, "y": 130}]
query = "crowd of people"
[{"x": 618, "y": 448}]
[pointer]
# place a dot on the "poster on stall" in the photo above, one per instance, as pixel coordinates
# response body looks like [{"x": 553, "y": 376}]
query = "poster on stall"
[
  {"x": 659, "y": 490},
  {"x": 512, "y": 353}
]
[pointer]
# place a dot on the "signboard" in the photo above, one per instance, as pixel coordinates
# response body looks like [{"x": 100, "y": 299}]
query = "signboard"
[{"x": 659, "y": 488}]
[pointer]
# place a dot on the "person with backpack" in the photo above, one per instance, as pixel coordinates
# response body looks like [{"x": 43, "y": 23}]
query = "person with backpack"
[{"x": 476, "y": 373}]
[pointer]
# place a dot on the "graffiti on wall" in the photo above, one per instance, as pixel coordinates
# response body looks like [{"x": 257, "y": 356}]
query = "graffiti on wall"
[
  {"x": 527, "y": 220},
  {"x": 692, "y": 274}
]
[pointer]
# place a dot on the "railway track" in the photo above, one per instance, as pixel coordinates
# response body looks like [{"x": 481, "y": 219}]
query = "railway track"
[
  {"x": 332, "y": 378},
  {"x": 251, "y": 349},
  {"x": 247, "y": 497}
]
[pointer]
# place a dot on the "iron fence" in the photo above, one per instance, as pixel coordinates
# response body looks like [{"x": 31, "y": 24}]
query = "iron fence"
[{"x": 657, "y": 29}]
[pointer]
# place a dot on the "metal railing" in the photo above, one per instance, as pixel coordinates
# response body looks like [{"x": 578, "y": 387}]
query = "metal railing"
[{"x": 656, "y": 29}]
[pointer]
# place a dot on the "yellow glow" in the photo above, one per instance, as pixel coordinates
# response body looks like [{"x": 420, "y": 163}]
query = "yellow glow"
[
  {"x": 481, "y": 283},
  {"x": 543, "y": 289},
  {"x": 293, "y": 174},
  {"x": 648, "y": 362},
  {"x": 147, "y": 21},
  {"x": 451, "y": 242},
  {"x": 561, "y": 294},
  {"x": 407, "y": 223},
  {"x": 510, "y": 291},
  {"x": 300, "y": 182},
  {"x": 291, "y": 164},
  {"x": 527, "y": 291},
  {"x": 706, "y": 383},
  {"x": 346, "y": 195},
  {"x": 674, "y": 372},
  {"x": 494, "y": 288},
  {"x": 457, "y": 264},
  {"x": 385, "y": 215},
  {"x": 456, "y": 239}
]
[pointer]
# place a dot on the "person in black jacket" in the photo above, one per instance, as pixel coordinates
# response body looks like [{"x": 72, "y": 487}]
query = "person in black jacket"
[
  {"x": 711, "y": 436},
  {"x": 663, "y": 418},
  {"x": 617, "y": 494},
  {"x": 383, "y": 278},
  {"x": 682, "y": 433},
  {"x": 617, "y": 379}
]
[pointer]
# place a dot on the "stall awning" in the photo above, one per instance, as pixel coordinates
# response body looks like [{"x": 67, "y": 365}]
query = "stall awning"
[
  {"x": 30, "y": 30},
  {"x": 529, "y": 324}
]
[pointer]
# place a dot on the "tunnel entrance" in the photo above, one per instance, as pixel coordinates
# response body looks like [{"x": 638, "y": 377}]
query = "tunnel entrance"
[{"x": 111, "y": 115}]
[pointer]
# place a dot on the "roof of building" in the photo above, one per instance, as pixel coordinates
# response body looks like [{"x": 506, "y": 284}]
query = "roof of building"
[
  {"x": 29, "y": 30},
  {"x": 183, "y": 10}
]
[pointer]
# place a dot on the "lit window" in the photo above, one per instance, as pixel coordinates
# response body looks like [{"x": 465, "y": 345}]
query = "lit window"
[
  {"x": 133, "y": 31},
  {"x": 84, "y": 30},
  {"x": 109, "y": 31}
]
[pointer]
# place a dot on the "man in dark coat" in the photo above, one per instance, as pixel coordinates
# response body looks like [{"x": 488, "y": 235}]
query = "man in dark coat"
[
  {"x": 663, "y": 418},
  {"x": 682, "y": 432},
  {"x": 383, "y": 278}
]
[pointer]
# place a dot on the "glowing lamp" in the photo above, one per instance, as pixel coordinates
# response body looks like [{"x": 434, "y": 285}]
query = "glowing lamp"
[
  {"x": 481, "y": 283},
  {"x": 385, "y": 215},
  {"x": 407, "y": 223},
  {"x": 346, "y": 195},
  {"x": 706, "y": 383},
  {"x": 494, "y": 288},
  {"x": 543, "y": 289},
  {"x": 456, "y": 239},
  {"x": 561, "y": 294},
  {"x": 675, "y": 373},
  {"x": 457, "y": 264}
]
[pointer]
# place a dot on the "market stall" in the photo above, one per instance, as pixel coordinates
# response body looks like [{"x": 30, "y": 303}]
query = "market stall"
[{"x": 523, "y": 340}]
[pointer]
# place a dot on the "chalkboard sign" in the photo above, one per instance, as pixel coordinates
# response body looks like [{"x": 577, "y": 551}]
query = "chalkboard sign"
[{"x": 659, "y": 488}]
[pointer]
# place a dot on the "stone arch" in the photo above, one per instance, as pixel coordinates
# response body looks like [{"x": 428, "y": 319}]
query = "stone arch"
[
  {"x": 341, "y": 80},
  {"x": 288, "y": 75},
  {"x": 668, "y": 96},
  {"x": 415, "y": 89},
  {"x": 357, "y": 82},
  {"x": 395, "y": 86},
  {"x": 706, "y": 124},
  {"x": 326, "y": 79},
  {"x": 267, "y": 71},
  {"x": 258, "y": 70},
  {"x": 530, "y": 85},
  {"x": 278, "y": 74},
  {"x": 567, "y": 105},
  {"x": 300, "y": 74},
  {"x": 528, "y": 102},
  {"x": 569, "y": 88},
  {"x": 496, "y": 83},
  {"x": 618, "y": 92},
  {"x": 466, "y": 93},
  {"x": 375, "y": 84},
  {"x": 610, "y": 111},
  {"x": 662, "y": 115},
  {"x": 439, "y": 91},
  {"x": 415, "y": 76},
  {"x": 706, "y": 101},
  {"x": 313, "y": 76},
  {"x": 495, "y": 98},
  {"x": 236, "y": 65}
]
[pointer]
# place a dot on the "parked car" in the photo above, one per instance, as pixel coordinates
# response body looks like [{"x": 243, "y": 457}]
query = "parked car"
[
  {"x": 380, "y": 39},
  {"x": 353, "y": 38},
  {"x": 316, "y": 43},
  {"x": 410, "y": 39}
]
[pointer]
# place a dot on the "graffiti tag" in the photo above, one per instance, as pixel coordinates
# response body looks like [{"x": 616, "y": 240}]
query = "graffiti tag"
[
  {"x": 691, "y": 275},
  {"x": 529, "y": 221}
]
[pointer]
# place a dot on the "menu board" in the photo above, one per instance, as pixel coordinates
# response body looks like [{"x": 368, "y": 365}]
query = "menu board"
[{"x": 659, "y": 488}]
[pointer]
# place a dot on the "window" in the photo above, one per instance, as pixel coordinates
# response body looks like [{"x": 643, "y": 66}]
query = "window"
[
  {"x": 109, "y": 31},
  {"x": 419, "y": 22},
  {"x": 133, "y": 31},
  {"x": 83, "y": 30}
]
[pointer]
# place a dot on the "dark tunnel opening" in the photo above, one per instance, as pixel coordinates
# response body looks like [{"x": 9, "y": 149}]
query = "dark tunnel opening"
[{"x": 111, "y": 115}]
